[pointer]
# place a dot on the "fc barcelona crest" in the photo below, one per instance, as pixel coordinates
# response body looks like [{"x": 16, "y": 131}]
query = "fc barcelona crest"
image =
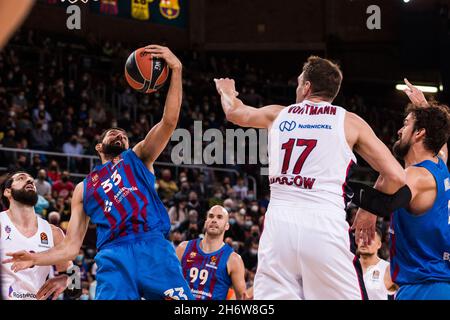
[{"x": 170, "y": 9}]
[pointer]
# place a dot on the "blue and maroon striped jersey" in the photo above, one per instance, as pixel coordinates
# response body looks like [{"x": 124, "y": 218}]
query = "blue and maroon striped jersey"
[
  {"x": 420, "y": 244},
  {"x": 206, "y": 273},
  {"x": 120, "y": 198}
]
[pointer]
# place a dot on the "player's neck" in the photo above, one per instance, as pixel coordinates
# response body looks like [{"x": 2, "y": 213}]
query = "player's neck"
[
  {"x": 416, "y": 154},
  {"x": 211, "y": 244},
  {"x": 316, "y": 99},
  {"x": 22, "y": 215},
  {"x": 369, "y": 260}
]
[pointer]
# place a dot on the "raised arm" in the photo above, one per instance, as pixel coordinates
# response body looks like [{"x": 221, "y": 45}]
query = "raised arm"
[
  {"x": 64, "y": 251},
  {"x": 236, "y": 271},
  {"x": 418, "y": 99},
  {"x": 239, "y": 113},
  {"x": 392, "y": 176},
  {"x": 149, "y": 149},
  {"x": 375, "y": 152}
]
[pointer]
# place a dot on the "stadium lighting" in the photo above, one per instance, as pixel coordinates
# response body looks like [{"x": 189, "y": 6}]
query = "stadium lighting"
[
  {"x": 426, "y": 89},
  {"x": 405, "y": 1}
]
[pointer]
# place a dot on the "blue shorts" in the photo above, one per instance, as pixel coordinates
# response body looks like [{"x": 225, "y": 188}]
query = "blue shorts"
[
  {"x": 424, "y": 291},
  {"x": 146, "y": 267}
]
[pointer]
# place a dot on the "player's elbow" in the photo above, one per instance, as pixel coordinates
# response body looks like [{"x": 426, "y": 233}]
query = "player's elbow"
[{"x": 397, "y": 178}]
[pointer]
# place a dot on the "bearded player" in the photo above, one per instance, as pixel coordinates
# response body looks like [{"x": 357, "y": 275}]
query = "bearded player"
[
  {"x": 22, "y": 229},
  {"x": 211, "y": 266},
  {"x": 135, "y": 260},
  {"x": 420, "y": 233}
]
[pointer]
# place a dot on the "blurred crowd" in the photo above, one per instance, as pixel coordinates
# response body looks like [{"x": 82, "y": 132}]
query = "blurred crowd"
[{"x": 59, "y": 95}]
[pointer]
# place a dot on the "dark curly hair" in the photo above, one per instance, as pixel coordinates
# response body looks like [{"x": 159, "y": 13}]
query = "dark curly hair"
[{"x": 435, "y": 119}]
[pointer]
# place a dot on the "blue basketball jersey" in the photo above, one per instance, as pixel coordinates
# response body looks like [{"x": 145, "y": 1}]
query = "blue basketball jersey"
[
  {"x": 206, "y": 273},
  {"x": 420, "y": 245},
  {"x": 120, "y": 198}
]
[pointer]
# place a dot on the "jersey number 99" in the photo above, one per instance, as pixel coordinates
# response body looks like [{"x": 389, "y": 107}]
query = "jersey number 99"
[{"x": 194, "y": 274}]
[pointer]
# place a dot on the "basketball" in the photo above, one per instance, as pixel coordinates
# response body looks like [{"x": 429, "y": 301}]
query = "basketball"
[{"x": 145, "y": 73}]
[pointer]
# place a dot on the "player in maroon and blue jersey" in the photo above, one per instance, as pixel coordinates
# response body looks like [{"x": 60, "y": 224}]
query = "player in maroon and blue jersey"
[
  {"x": 135, "y": 260},
  {"x": 211, "y": 266}
]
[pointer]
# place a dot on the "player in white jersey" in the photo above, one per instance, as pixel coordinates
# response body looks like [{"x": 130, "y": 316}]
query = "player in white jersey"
[
  {"x": 304, "y": 251},
  {"x": 22, "y": 229},
  {"x": 376, "y": 271}
]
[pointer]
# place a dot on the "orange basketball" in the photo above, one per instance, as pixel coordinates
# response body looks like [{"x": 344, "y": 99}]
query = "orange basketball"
[{"x": 144, "y": 73}]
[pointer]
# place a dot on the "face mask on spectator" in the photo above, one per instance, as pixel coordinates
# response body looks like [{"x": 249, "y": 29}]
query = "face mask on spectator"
[
  {"x": 79, "y": 258},
  {"x": 248, "y": 224},
  {"x": 254, "y": 208},
  {"x": 253, "y": 252},
  {"x": 232, "y": 221},
  {"x": 84, "y": 297}
]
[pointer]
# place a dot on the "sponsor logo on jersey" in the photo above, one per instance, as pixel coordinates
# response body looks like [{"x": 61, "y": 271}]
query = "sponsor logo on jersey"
[
  {"x": 314, "y": 126},
  {"x": 44, "y": 238},
  {"x": 447, "y": 184},
  {"x": 287, "y": 126},
  {"x": 446, "y": 256},
  {"x": 20, "y": 295},
  {"x": 193, "y": 255},
  {"x": 213, "y": 260},
  {"x": 108, "y": 206},
  {"x": 8, "y": 232}
]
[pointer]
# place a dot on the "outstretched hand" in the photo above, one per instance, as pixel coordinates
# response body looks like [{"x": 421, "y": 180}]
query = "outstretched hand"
[
  {"x": 164, "y": 53},
  {"x": 20, "y": 260},
  {"x": 415, "y": 95},
  {"x": 226, "y": 86},
  {"x": 364, "y": 226}
]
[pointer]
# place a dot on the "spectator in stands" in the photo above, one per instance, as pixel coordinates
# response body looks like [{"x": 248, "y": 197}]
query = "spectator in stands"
[
  {"x": 250, "y": 255},
  {"x": 98, "y": 114},
  {"x": 216, "y": 199},
  {"x": 167, "y": 187},
  {"x": 36, "y": 165},
  {"x": 41, "y": 206},
  {"x": 179, "y": 212},
  {"x": 41, "y": 115},
  {"x": 20, "y": 164},
  {"x": 241, "y": 189},
  {"x": 53, "y": 172},
  {"x": 54, "y": 218},
  {"x": 19, "y": 102},
  {"x": 40, "y": 138},
  {"x": 64, "y": 187},
  {"x": 74, "y": 147},
  {"x": 193, "y": 203},
  {"x": 43, "y": 187}
]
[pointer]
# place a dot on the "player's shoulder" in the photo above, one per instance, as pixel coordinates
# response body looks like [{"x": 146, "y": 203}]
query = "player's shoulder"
[
  {"x": 235, "y": 258},
  {"x": 419, "y": 177},
  {"x": 182, "y": 246}
]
